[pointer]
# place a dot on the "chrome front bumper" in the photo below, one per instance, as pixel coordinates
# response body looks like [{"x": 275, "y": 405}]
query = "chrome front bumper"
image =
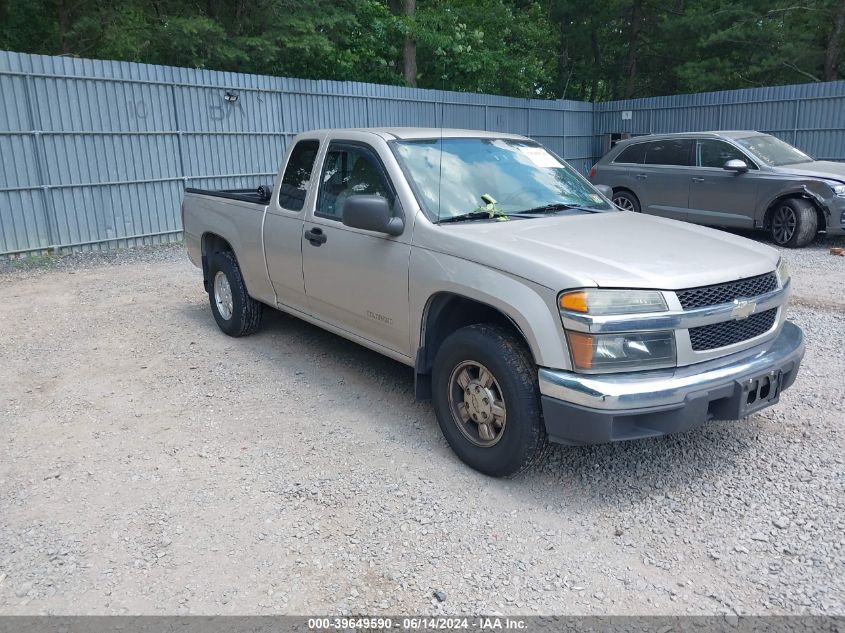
[{"x": 580, "y": 408}]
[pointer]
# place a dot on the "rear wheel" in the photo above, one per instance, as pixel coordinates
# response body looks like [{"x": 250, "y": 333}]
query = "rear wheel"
[
  {"x": 794, "y": 223},
  {"x": 487, "y": 400},
  {"x": 235, "y": 312},
  {"x": 626, "y": 201}
]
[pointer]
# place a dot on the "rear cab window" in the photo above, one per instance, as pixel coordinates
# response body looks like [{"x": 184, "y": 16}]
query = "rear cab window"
[{"x": 297, "y": 176}]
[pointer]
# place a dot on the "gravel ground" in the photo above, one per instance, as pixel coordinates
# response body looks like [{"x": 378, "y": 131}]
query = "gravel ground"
[{"x": 151, "y": 465}]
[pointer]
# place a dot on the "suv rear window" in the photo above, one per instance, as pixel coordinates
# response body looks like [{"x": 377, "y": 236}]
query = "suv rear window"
[
  {"x": 633, "y": 154},
  {"x": 670, "y": 152}
]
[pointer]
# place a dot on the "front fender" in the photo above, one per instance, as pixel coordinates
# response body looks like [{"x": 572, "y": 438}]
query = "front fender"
[
  {"x": 531, "y": 307},
  {"x": 814, "y": 190}
]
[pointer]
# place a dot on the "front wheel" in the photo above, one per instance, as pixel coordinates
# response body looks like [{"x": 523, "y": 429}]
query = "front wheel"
[
  {"x": 794, "y": 223},
  {"x": 235, "y": 312},
  {"x": 487, "y": 400}
]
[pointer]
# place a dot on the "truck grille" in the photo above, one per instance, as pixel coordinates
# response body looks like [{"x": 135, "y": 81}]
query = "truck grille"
[
  {"x": 727, "y": 292},
  {"x": 729, "y": 332}
]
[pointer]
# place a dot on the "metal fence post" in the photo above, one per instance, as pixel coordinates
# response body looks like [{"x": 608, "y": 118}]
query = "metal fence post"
[
  {"x": 528, "y": 120},
  {"x": 179, "y": 133},
  {"x": 563, "y": 134},
  {"x": 49, "y": 209}
]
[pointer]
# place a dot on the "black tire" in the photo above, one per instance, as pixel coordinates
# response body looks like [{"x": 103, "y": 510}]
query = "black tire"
[
  {"x": 246, "y": 312},
  {"x": 522, "y": 440},
  {"x": 794, "y": 223},
  {"x": 626, "y": 200}
]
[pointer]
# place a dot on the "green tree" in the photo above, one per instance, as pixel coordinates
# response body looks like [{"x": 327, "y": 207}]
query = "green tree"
[
  {"x": 529, "y": 48},
  {"x": 486, "y": 46}
]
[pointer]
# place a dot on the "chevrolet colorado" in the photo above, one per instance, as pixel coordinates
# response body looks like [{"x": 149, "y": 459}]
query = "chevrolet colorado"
[{"x": 530, "y": 307}]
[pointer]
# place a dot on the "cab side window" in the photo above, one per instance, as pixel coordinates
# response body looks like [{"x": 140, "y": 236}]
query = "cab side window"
[
  {"x": 350, "y": 170},
  {"x": 297, "y": 175},
  {"x": 712, "y": 153},
  {"x": 674, "y": 152}
]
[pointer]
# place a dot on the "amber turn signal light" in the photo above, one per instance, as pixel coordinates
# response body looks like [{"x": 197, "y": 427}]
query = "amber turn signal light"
[
  {"x": 574, "y": 302},
  {"x": 581, "y": 346}
]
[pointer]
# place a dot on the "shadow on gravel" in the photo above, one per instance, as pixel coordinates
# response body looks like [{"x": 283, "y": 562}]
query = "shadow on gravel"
[{"x": 286, "y": 334}]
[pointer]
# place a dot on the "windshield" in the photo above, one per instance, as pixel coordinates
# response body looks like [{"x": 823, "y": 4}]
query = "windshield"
[
  {"x": 483, "y": 174},
  {"x": 773, "y": 151}
]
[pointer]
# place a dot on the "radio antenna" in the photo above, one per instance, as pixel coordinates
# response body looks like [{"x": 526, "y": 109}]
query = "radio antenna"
[{"x": 440, "y": 167}]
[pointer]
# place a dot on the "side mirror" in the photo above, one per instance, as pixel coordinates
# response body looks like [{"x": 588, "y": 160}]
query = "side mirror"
[
  {"x": 371, "y": 213},
  {"x": 736, "y": 165},
  {"x": 604, "y": 190}
]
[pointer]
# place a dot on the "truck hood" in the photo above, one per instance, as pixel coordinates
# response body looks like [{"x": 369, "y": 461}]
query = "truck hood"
[
  {"x": 827, "y": 169},
  {"x": 614, "y": 250}
]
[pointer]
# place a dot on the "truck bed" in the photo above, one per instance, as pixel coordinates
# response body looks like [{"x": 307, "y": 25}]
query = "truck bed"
[{"x": 242, "y": 195}]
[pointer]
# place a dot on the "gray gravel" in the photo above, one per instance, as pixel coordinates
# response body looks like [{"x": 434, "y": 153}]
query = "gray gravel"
[{"x": 150, "y": 464}]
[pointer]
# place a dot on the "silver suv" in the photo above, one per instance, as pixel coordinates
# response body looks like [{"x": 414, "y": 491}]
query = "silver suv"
[{"x": 738, "y": 179}]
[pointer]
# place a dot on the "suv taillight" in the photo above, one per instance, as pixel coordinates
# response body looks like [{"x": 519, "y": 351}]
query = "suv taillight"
[{"x": 592, "y": 173}]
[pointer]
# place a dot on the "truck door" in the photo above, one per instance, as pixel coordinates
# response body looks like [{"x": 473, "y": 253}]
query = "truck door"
[
  {"x": 356, "y": 280},
  {"x": 283, "y": 226}
]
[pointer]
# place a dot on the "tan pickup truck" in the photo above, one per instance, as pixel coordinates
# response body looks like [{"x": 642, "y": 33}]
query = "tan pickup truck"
[{"x": 531, "y": 309}]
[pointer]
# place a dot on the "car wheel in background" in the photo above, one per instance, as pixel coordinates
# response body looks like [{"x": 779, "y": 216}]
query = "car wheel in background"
[
  {"x": 794, "y": 223},
  {"x": 626, "y": 201},
  {"x": 236, "y": 313},
  {"x": 487, "y": 400}
]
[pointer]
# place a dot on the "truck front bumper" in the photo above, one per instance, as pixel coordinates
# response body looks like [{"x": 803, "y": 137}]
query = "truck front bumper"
[{"x": 592, "y": 409}]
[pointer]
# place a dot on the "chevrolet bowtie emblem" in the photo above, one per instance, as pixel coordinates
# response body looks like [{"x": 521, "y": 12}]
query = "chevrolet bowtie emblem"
[{"x": 742, "y": 309}]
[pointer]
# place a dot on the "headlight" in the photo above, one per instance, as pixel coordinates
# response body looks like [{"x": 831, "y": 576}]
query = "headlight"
[
  {"x": 599, "y": 353},
  {"x": 782, "y": 273},
  {"x": 838, "y": 190},
  {"x": 602, "y": 302}
]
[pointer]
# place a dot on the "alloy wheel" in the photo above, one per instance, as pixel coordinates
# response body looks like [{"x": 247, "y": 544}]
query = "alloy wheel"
[
  {"x": 623, "y": 203},
  {"x": 783, "y": 224}
]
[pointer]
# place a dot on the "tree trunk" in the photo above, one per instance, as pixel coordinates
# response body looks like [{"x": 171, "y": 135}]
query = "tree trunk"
[
  {"x": 409, "y": 55},
  {"x": 633, "y": 45},
  {"x": 65, "y": 22},
  {"x": 594, "y": 81},
  {"x": 834, "y": 46}
]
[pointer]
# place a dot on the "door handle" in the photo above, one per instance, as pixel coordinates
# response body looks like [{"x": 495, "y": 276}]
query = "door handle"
[
  {"x": 698, "y": 178},
  {"x": 316, "y": 236},
  {"x": 641, "y": 176}
]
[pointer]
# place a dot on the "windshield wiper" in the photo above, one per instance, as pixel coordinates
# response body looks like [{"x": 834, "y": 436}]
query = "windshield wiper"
[
  {"x": 465, "y": 217},
  {"x": 554, "y": 207}
]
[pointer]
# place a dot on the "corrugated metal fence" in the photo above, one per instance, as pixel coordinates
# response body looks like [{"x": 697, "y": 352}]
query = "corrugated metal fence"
[
  {"x": 95, "y": 154},
  {"x": 809, "y": 116}
]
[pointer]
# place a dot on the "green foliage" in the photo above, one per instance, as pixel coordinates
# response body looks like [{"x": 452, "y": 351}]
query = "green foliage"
[
  {"x": 486, "y": 46},
  {"x": 32, "y": 262},
  {"x": 528, "y": 48}
]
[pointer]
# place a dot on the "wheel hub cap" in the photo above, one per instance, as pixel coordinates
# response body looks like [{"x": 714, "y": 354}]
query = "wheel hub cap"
[
  {"x": 477, "y": 404},
  {"x": 223, "y": 295}
]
